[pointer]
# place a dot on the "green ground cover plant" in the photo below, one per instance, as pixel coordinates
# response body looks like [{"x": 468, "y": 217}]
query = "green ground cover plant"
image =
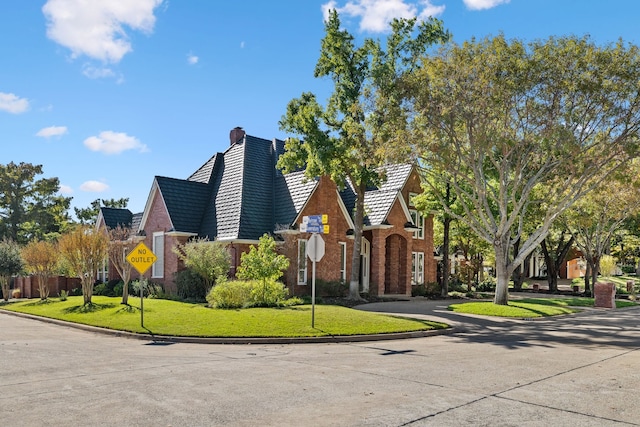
[
  {"x": 530, "y": 307},
  {"x": 172, "y": 318}
]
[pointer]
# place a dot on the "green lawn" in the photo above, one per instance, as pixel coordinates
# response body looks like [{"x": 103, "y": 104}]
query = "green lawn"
[
  {"x": 530, "y": 307},
  {"x": 163, "y": 317}
]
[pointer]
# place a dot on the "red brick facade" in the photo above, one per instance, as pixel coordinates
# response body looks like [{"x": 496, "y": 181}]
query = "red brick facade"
[{"x": 388, "y": 250}]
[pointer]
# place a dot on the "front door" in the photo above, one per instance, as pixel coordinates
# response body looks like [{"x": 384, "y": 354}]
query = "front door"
[{"x": 365, "y": 257}]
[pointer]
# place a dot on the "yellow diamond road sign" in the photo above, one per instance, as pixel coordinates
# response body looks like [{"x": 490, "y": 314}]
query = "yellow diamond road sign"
[{"x": 141, "y": 258}]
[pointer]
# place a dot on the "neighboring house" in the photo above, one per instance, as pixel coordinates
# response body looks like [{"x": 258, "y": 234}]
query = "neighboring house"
[
  {"x": 238, "y": 195},
  {"x": 109, "y": 218}
]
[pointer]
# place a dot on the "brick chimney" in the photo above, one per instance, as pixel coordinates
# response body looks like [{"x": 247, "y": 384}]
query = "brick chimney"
[{"x": 236, "y": 134}]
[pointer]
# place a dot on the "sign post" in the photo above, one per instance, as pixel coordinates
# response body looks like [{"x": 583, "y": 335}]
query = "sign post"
[
  {"x": 141, "y": 258},
  {"x": 315, "y": 252}
]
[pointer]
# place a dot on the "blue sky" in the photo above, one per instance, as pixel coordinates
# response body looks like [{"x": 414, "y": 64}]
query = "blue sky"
[{"x": 106, "y": 94}]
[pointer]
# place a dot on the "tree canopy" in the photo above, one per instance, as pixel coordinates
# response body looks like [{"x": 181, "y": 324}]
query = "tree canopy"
[
  {"x": 30, "y": 208},
  {"x": 512, "y": 126},
  {"x": 346, "y": 138}
]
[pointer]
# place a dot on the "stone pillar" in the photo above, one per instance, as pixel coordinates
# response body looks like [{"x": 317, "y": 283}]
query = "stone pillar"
[{"x": 605, "y": 295}]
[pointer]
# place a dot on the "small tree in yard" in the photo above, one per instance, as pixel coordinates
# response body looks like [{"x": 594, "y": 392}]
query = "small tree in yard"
[
  {"x": 41, "y": 260},
  {"x": 262, "y": 263},
  {"x": 10, "y": 264},
  {"x": 83, "y": 251},
  {"x": 607, "y": 265},
  {"x": 120, "y": 245},
  {"x": 210, "y": 260}
]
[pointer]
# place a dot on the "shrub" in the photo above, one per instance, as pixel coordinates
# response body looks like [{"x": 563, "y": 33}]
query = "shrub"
[
  {"x": 101, "y": 289},
  {"x": 249, "y": 293},
  {"x": 487, "y": 285},
  {"x": 426, "y": 289},
  {"x": 607, "y": 265},
  {"x": 63, "y": 295},
  {"x": 231, "y": 294},
  {"x": 267, "y": 293},
  {"x": 334, "y": 289},
  {"x": 15, "y": 293},
  {"x": 191, "y": 285},
  {"x": 628, "y": 269},
  {"x": 151, "y": 290}
]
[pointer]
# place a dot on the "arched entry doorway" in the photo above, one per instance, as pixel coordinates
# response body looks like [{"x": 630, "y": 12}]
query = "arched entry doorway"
[{"x": 395, "y": 265}]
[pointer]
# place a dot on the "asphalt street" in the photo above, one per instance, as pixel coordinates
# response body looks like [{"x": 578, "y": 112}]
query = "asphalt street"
[{"x": 578, "y": 370}]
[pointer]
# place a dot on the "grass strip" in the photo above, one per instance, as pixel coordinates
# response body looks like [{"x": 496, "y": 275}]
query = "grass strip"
[
  {"x": 172, "y": 318},
  {"x": 530, "y": 307}
]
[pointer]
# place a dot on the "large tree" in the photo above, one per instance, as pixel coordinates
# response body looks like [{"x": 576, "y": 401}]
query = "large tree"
[
  {"x": 10, "y": 264},
  {"x": 83, "y": 251},
  {"x": 504, "y": 120},
  {"x": 30, "y": 208},
  {"x": 121, "y": 243},
  {"x": 344, "y": 139},
  {"x": 594, "y": 220},
  {"x": 41, "y": 259}
]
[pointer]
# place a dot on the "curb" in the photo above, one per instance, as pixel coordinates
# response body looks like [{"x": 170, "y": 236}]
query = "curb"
[{"x": 236, "y": 340}]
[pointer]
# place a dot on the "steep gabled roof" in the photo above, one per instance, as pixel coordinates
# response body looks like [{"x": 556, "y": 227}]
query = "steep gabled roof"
[
  {"x": 292, "y": 191},
  {"x": 203, "y": 174},
  {"x": 114, "y": 217},
  {"x": 379, "y": 200},
  {"x": 185, "y": 201}
]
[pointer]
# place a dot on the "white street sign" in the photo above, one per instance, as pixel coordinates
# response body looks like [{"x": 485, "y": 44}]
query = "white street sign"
[{"x": 315, "y": 248}]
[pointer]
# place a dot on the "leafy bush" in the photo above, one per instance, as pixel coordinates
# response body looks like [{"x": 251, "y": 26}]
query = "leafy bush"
[
  {"x": 334, "y": 289},
  {"x": 268, "y": 293},
  {"x": 248, "y": 293},
  {"x": 231, "y": 294},
  {"x": 426, "y": 290},
  {"x": 607, "y": 265},
  {"x": 63, "y": 295},
  {"x": 75, "y": 292},
  {"x": 101, "y": 290},
  {"x": 628, "y": 269},
  {"x": 151, "y": 290},
  {"x": 15, "y": 293},
  {"x": 191, "y": 285},
  {"x": 487, "y": 285}
]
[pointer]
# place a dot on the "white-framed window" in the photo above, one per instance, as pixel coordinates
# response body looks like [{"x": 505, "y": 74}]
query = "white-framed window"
[
  {"x": 302, "y": 262},
  {"x": 417, "y": 268},
  {"x": 418, "y": 220},
  {"x": 343, "y": 260},
  {"x": 157, "y": 269},
  {"x": 103, "y": 272}
]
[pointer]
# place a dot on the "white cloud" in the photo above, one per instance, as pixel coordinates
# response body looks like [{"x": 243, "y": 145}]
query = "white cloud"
[
  {"x": 242, "y": 45},
  {"x": 97, "y": 28},
  {"x": 65, "y": 189},
  {"x": 192, "y": 59},
  {"x": 94, "y": 186},
  {"x": 97, "y": 72},
  {"x": 483, "y": 4},
  {"x": 110, "y": 142},
  {"x": 12, "y": 104},
  {"x": 50, "y": 131},
  {"x": 375, "y": 15}
]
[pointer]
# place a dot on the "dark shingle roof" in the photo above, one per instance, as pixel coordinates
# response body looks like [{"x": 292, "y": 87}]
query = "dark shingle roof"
[
  {"x": 203, "y": 174},
  {"x": 114, "y": 217},
  {"x": 185, "y": 201},
  {"x": 379, "y": 200},
  {"x": 292, "y": 192}
]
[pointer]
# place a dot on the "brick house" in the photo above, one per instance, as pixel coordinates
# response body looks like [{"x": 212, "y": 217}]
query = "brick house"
[{"x": 238, "y": 195}]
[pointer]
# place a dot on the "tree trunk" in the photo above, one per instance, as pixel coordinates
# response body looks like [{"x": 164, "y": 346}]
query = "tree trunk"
[
  {"x": 587, "y": 276},
  {"x": 502, "y": 273},
  {"x": 446, "y": 267},
  {"x": 553, "y": 264},
  {"x": 43, "y": 289},
  {"x": 125, "y": 293},
  {"x": 87, "y": 289},
  {"x": 5, "y": 288},
  {"x": 518, "y": 274},
  {"x": 354, "y": 284}
]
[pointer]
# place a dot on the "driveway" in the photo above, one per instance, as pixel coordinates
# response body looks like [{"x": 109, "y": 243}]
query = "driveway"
[{"x": 576, "y": 370}]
